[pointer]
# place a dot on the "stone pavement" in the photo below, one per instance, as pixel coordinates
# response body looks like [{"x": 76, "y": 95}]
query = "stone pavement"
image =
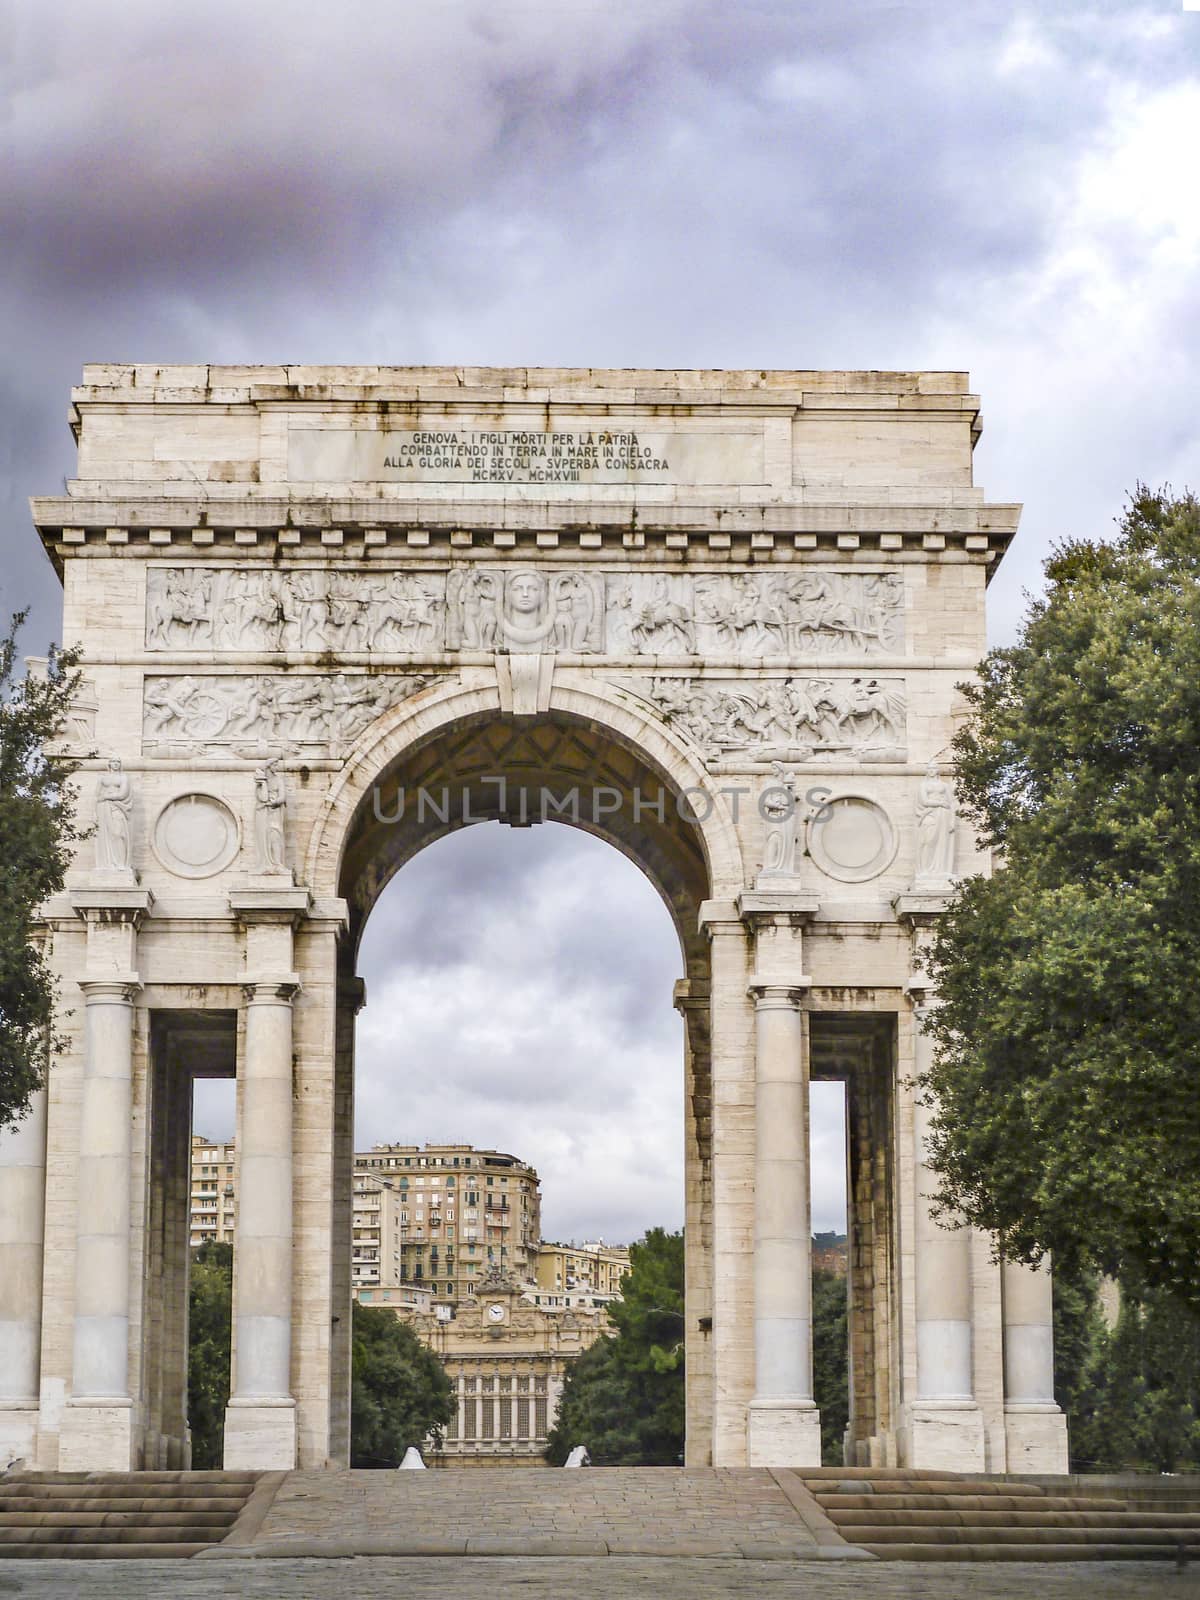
[
  {"x": 625, "y": 1511},
  {"x": 506, "y": 1578}
]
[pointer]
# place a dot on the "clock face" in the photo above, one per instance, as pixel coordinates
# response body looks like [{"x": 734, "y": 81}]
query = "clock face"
[{"x": 495, "y": 1313}]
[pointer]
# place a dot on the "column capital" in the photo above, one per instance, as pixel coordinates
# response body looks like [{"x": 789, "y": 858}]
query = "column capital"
[
  {"x": 123, "y": 989},
  {"x": 770, "y": 994},
  {"x": 285, "y": 904},
  {"x": 779, "y": 907},
  {"x": 98, "y": 906},
  {"x": 920, "y": 908},
  {"x": 281, "y": 990}
]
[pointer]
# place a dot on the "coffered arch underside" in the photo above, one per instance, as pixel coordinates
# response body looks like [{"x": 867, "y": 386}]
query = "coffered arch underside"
[{"x": 451, "y": 757}]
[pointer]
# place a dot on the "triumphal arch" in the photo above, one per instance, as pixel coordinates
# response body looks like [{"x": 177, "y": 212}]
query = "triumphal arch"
[{"x": 329, "y": 614}]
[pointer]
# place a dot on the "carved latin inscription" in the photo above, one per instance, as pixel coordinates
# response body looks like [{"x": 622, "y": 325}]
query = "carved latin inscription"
[
  {"x": 192, "y": 715},
  {"x": 792, "y": 719}
]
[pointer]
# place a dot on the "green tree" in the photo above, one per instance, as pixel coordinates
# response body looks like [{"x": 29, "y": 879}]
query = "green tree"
[
  {"x": 1131, "y": 1393},
  {"x": 210, "y": 1303},
  {"x": 831, "y": 1364},
  {"x": 38, "y": 829},
  {"x": 623, "y": 1397},
  {"x": 401, "y": 1394},
  {"x": 1068, "y": 1034}
]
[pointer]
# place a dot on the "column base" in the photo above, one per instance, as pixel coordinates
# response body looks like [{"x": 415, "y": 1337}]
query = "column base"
[
  {"x": 783, "y": 1433},
  {"x": 98, "y": 1436},
  {"x": 1035, "y": 1439},
  {"x": 260, "y": 1435},
  {"x": 948, "y": 1436},
  {"x": 18, "y": 1433}
]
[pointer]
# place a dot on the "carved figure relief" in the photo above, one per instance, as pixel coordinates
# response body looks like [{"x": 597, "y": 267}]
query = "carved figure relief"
[
  {"x": 114, "y": 813},
  {"x": 263, "y": 609},
  {"x": 525, "y": 611},
  {"x": 779, "y": 806},
  {"x": 650, "y": 614},
  {"x": 286, "y": 714},
  {"x": 787, "y": 719},
  {"x": 270, "y": 801},
  {"x": 937, "y": 823}
]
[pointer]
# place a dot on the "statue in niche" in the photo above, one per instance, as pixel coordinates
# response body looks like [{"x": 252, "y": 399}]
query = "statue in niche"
[
  {"x": 270, "y": 801},
  {"x": 114, "y": 811},
  {"x": 779, "y": 808},
  {"x": 937, "y": 823}
]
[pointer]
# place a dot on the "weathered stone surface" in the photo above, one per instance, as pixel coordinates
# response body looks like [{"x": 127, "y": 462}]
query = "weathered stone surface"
[{"x": 672, "y": 602}]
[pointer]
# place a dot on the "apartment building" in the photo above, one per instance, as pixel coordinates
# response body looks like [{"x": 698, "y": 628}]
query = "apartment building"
[
  {"x": 213, "y": 1206},
  {"x": 451, "y": 1215},
  {"x": 586, "y": 1270}
]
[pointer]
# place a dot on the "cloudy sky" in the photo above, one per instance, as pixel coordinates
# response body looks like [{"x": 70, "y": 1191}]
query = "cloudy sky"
[{"x": 1005, "y": 188}]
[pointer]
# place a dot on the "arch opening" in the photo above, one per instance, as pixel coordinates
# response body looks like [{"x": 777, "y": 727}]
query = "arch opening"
[{"x": 441, "y": 798}]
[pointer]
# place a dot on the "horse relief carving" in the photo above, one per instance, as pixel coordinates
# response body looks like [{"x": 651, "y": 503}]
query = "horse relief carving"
[
  {"x": 192, "y": 715},
  {"x": 787, "y": 719},
  {"x": 261, "y": 609},
  {"x": 528, "y": 610}
]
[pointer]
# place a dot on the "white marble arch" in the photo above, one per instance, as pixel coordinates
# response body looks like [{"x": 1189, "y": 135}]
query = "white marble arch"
[
  {"x": 796, "y": 609},
  {"x": 599, "y": 718}
]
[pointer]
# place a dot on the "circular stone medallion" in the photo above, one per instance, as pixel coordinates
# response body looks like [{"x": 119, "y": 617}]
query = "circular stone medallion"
[
  {"x": 851, "y": 838},
  {"x": 196, "y": 835}
]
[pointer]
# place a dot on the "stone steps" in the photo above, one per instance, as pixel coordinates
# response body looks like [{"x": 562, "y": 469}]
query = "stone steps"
[
  {"x": 899, "y": 1514},
  {"x": 103, "y": 1516}
]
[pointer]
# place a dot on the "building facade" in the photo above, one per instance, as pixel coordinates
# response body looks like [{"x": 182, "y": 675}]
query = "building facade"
[
  {"x": 213, "y": 1209},
  {"x": 593, "y": 1270},
  {"x": 507, "y": 1359},
  {"x": 456, "y": 1214},
  {"x": 719, "y": 619}
]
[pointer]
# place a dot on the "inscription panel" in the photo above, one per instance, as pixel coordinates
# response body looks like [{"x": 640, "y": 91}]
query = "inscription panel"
[{"x": 524, "y": 455}]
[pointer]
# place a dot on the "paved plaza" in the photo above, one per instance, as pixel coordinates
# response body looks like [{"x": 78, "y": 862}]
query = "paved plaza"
[{"x": 424, "y": 1578}]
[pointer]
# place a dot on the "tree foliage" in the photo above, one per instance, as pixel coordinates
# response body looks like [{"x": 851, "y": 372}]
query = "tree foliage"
[
  {"x": 210, "y": 1309},
  {"x": 831, "y": 1362},
  {"x": 624, "y": 1397},
  {"x": 1131, "y": 1393},
  {"x": 401, "y": 1394},
  {"x": 38, "y": 829},
  {"x": 1068, "y": 1034}
]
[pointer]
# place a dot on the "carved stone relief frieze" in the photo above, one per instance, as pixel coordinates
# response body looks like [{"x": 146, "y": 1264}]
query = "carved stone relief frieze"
[
  {"x": 800, "y": 613},
  {"x": 257, "y": 609},
  {"x": 527, "y": 610},
  {"x": 786, "y": 719},
  {"x": 316, "y": 712},
  {"x": 523, "y": 610}
]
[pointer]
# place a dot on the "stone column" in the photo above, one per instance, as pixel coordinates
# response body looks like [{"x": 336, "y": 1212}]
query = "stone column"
[
  {"x": 1035, "y": 1430},
  {"x": 783, "y": 1425},
  {"x": 692, "y": 1001},
  {"x": 22, "y": 1214},
  {"x": 260, "y": 1422},
  {"x": 732, "y": 1058},
  {"x": 99, "y": 1427},
  {"x": 945, "y": 1424}
]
